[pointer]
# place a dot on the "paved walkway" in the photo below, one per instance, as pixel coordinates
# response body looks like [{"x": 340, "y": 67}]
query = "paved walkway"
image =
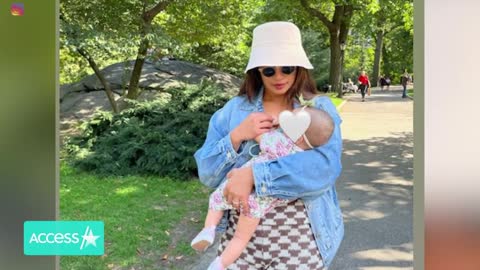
[
  {"x": 376, "y": 185},
  {"x": 375, "y": 188}
]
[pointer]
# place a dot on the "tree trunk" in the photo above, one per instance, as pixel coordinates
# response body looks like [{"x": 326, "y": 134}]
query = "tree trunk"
[
  {"x": 137, "y": 69},
  {"x": 338, "y": 29},
  {"x": 378, "y": 57},
  {"x": 338, "y": 35},
  {"x": 147, "y": 18},
  {"x": 335, "y": 65},
  {"x": 106, "y": 85}
]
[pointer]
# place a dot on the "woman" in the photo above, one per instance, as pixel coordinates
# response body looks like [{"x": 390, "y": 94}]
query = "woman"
[
  {"x": 306, "y": 233},
  {"x": 364, "y": 84}
]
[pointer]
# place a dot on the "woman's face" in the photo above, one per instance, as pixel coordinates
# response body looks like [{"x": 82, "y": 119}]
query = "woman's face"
[{"x": 280, "y": 82}]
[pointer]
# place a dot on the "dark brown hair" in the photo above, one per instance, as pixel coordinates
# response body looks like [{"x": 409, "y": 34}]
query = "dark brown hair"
[{"x": 304, "y": 84}]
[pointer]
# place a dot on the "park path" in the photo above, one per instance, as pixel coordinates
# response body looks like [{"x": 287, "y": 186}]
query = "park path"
[
  {"x": 376, "y": 185},
  {"x": 375, "y": 188}
]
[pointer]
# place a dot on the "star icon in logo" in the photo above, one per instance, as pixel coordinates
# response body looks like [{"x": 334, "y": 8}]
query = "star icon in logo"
[{"x": 89, "y": 238}]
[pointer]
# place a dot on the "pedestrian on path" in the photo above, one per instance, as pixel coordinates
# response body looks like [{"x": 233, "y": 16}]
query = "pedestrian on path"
[
  {"x": 306, "y": 233},
  {"x": 364, "y": 84},
  {"x": 404, "y": 80}
]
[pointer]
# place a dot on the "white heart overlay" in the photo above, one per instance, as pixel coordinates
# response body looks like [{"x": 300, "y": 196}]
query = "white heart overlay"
[{"x": 294, "y": 124}]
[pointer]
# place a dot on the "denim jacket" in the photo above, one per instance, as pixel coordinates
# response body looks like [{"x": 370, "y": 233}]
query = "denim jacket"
[{"x": 309, "y": 175}]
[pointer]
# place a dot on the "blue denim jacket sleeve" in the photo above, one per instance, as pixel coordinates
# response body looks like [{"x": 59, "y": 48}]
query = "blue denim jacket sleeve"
[
  {"x": 304, "y": 174},
  {"x": 217, "y": 157}
]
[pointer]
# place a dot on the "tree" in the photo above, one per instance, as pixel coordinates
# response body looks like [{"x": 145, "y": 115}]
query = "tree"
[
  {"x": 99, "y": 30},
  {"x": 102, "y": 29},
  {"x": 338, "y": 30},
  {"x": 148, "y": 14},
  {"x": 391, "y": 15}
]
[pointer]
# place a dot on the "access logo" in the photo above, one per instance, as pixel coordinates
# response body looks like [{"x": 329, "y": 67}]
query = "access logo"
[{"x": 63, "y": 238}]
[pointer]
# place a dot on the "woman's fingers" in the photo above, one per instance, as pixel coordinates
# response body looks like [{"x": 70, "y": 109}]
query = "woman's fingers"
[
  {"x": 244, "y": 208},
  {"x": 232, "y": 199},
  {"x": 265, "y": 126},
  {"x": 227, "y": 194}
]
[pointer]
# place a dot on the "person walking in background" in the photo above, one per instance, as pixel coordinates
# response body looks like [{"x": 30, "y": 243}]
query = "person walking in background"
[
  {"x": 364, "y": 84},
  {"x": 388, "y": 82},
  {"x": 404, "y": 80},
  {"x": 382, "y": 82}
]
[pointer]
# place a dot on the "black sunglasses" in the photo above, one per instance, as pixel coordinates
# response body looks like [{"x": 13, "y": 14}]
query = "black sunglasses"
[{"x": 270, "y": 71}]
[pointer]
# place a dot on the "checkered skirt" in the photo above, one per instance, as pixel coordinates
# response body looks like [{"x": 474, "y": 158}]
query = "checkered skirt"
[{"x": 283, "y": 240}]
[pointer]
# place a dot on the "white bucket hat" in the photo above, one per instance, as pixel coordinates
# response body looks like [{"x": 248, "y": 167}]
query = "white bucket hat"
[{"x": 277, "y": 44}]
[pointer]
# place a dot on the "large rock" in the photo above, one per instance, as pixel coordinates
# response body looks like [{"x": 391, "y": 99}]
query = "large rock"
[{"x": 80, "y": 100}]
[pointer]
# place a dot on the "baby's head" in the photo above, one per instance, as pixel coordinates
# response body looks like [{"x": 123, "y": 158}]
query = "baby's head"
[{"x": 320, "y": 128}]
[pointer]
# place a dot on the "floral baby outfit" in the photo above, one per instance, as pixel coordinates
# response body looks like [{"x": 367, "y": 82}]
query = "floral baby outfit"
[{"x": 273, "y": 144}]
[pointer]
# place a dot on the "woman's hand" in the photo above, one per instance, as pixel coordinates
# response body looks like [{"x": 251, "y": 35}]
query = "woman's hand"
[
  {"x": 238, "y": 188},
  {"x": 255, "y": 124}
]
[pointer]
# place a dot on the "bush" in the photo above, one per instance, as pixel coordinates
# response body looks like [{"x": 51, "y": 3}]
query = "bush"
[{"x": 154, "y": 137}]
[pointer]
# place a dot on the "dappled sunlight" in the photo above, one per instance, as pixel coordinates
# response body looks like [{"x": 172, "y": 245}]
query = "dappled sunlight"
[
  {"x": 351, "y": 152},
  {"x": 363, "y": 187},
  {"x": 372, "y": 164},
  {"x": 366, "y": 214},
  {"x": 399, "y": 202},
  {"x": 385, "y": 255},
  {"x": 64, "y": 191},
  {"x": 83, "y": 201},
  {"x": 344, "y": 204},
  {"x": 375, "y": 192},
  {"x": 126, "y": 190},
  {"x": 384, "y": 268},
  {"x": 399, "y": 193}
]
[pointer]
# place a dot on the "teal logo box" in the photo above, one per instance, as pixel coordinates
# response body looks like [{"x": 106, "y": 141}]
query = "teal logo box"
[{"x": 63, "y": 238}]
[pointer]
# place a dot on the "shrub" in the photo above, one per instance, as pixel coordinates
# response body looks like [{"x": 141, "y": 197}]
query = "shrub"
[{"x": 153, "y": 137}]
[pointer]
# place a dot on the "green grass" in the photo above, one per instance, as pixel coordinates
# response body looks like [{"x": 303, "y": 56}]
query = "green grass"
[
  {"x": 145, "y": 218},
  {"x": 336, "y": 101},
  {"x": 410, "y": 92}
]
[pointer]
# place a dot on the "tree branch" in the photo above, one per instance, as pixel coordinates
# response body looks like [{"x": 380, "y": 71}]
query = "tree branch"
[
  {"x": 318, "y": 15},
  {"x": 159, "y": 7}
]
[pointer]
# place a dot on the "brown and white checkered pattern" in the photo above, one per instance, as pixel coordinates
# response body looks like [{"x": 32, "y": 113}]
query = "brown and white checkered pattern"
[{"x": 283, "y": 240}]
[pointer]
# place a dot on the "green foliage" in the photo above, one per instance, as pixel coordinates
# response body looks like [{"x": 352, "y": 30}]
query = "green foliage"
[
  {"x": 318, "y": 53},
  {"x": 398, "y": 54},
  {"x": 218, "y": 33},
  {"x": 157, "y": 137},
  {"x": 211, "y": 33},
  {"x": 106, "y": 29}
]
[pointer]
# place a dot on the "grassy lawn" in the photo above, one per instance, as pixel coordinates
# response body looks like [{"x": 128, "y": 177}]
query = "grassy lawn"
[
  {"x": 333, "y": 96},
  {"x": 410, "y": 92},
  {"x": 149, "y": 221},
  {"x": 336, "y": 101}
]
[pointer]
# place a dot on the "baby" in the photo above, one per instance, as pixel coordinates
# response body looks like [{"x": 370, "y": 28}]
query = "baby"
[{"x": 273, "y": 144}]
